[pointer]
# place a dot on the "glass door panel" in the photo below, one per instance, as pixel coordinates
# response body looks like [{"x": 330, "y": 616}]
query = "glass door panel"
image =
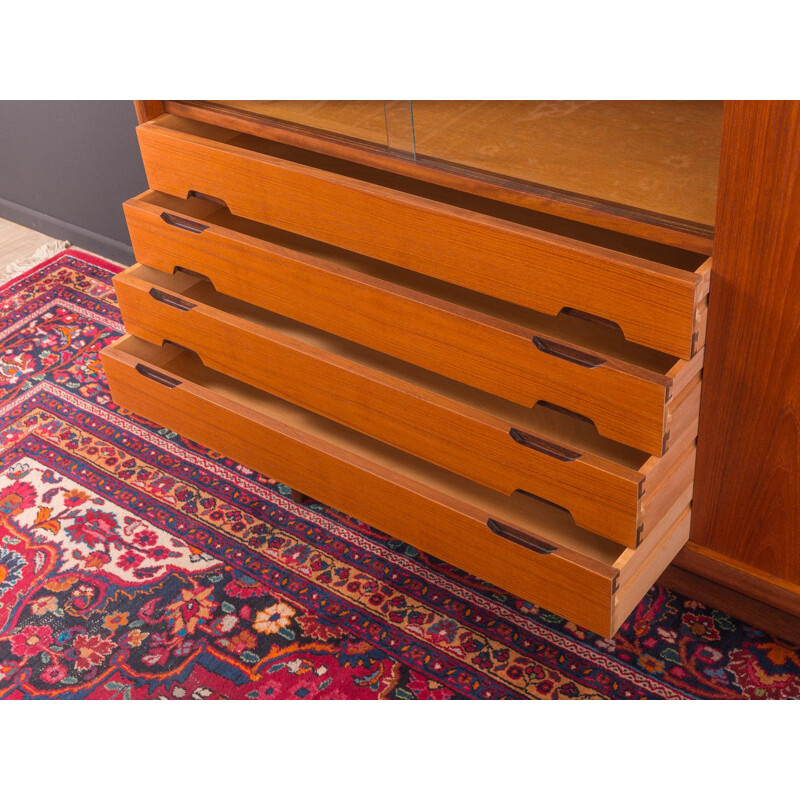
[
  {"x": 662, "y": 156},
  {"x": 400, "y": 127},
  {"x": 356, "y": 119},
  {"x": 659, "y": 157}
]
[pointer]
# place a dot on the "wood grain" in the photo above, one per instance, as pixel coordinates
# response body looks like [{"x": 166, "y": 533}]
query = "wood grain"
[
  {"x": 567, "y": 581},
  {"x": 626, "y": 401},
  {"x": 761, "y": 615},
  {"x": 653, "y": 303},
  {"x": 437, "y": 420},
  {"x": 370, "y": 149},
  {"x": 747, "y": 579},
  {"x": 426, "y": 507},
  {"x": 148, "y": 109},
  {"x": 664, "y": 484},
  {"x": 645, "y": 574},
  {"x": 747, "y": 499}
]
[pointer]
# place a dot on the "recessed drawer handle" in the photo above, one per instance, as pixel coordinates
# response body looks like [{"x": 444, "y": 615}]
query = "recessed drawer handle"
[
  {"x": 209, "y": 198},
  {"x": 171, "y": 300},
  {"x": 520, "y": 537},
  {"x": 158, "y": 377},
  {"x": 544, "y": 446},
  {"x": 571, "y": 354},
  {"x": 193, "y": 274},
  {"x": 185, "y": 224},
  {"x": 593, "y": 318}
]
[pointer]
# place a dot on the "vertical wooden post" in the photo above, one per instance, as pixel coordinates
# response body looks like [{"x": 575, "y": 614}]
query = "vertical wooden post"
[{"x": 746, "y": 517}]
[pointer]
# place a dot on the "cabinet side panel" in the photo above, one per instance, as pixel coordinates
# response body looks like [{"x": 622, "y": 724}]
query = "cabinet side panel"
[{"x": 747, "y": 491}]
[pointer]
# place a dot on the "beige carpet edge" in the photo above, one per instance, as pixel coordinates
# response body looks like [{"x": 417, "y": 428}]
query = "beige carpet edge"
[{"x": 42, "y": 253}]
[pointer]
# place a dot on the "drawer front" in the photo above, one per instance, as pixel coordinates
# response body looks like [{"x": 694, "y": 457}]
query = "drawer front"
[
  {"x": 601, "y": 495},
  {"x": 626, "y": 403},
  {"x": 655, "y": 305},
  {"x": 563, "y": 579}
]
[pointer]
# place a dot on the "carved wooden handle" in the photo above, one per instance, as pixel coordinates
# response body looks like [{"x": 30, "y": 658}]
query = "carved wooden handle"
[
  {"x": 158, "y": 377},
  {"x": 194, "y": 274},
  {"x": 171, "y": 300},
  {"x": 568, "y": 353},
  {"x": 520, "y": 537},
  {"x": 217, "y": 201},
  {"x": 544, "y": 446},
  {"x": 183, "y": 223}
]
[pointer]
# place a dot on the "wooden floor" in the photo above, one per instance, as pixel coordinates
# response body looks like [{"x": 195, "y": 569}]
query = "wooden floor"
[{"x": 17, "y": 242}]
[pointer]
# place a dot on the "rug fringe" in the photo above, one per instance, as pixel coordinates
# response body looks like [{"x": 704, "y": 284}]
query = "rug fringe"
[{"x": 42, "y": 253}]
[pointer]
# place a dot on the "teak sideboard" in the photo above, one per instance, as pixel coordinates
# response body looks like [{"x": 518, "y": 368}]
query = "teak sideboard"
[{"x": 551, "y": 388}]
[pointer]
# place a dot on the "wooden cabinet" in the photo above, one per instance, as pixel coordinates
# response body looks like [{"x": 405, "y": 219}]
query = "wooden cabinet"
[{"x": 505, "y": 374}]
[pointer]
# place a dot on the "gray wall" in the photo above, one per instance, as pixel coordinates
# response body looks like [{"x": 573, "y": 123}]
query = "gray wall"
[{"x": 67, "y": 166}]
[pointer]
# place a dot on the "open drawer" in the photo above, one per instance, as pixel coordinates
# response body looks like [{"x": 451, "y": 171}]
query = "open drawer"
[
  {"x": 522, "y": 545},
  {"x": 608, "y": 488},
  {"x": 656, "y": 294},
  {"x": 634, "y": 395}
]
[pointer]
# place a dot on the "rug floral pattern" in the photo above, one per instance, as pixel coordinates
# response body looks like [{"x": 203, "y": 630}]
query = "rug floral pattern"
[{"x": 137, "y": 564}]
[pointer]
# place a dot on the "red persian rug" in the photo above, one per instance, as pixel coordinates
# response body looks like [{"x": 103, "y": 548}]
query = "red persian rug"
[{"x": 137, "y": 564}]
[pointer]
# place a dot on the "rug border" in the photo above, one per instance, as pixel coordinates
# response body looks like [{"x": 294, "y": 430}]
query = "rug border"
[{"x": 89, "y": 258}]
